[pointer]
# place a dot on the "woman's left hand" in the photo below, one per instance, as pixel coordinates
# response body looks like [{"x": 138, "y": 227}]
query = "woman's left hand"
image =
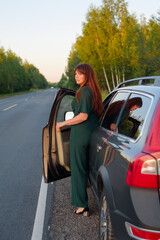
[{"x": 59, "y": 125}]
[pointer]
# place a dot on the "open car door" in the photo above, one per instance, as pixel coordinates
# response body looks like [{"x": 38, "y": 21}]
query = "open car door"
[{"x": 55, "y": 146}]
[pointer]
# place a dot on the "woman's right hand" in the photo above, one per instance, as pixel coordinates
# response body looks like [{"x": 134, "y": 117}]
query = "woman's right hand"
[
  {"x": 59, "y": 125},
  {"x": 81, "y": 117}
]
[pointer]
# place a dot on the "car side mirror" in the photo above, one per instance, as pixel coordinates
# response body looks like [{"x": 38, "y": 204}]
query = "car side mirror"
[{"x": 68, "y": 115}]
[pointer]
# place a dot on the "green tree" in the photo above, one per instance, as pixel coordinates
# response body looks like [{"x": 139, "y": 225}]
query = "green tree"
[
  {"x": 153, "y": 47},
  {"x": 116, "y": 45},
  {"x": 16, "y": 76},
  {"x": 68, "y": 79},
  {"x": 63, "y": 83},
  {"x": 73, "y": 61},
  {"x": 37, "y": 80}
]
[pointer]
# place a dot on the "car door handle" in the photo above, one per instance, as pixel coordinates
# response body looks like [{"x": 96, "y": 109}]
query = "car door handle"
[{"x": 99, "y": 147}]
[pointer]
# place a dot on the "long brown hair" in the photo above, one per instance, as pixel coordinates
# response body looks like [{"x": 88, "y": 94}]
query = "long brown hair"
[
  {"x": 90, "y": 81},
  {"x": 116, "y": 106}
]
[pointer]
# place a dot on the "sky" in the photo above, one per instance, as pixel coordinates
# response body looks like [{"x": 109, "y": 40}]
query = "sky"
[{"x": 43, "y": 31}]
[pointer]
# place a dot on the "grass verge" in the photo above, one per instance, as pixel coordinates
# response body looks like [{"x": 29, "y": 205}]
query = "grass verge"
[{"x": 104, "y": 94}]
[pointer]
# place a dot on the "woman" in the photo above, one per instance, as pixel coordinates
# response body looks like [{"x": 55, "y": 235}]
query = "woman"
[
  {"x": 115, "y": 108},
  {"x": 87, "y": 106}
]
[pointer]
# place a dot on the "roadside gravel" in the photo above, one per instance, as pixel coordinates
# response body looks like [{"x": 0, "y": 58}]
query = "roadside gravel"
[{"x": 65, "y": 225}]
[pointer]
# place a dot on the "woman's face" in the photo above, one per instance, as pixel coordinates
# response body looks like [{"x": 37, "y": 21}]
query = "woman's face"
[
  {"x": 80, "y": 77},
  {"x": 134, "y": 107}
]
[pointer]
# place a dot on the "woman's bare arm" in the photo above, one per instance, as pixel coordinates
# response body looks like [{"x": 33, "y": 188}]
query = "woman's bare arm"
[{"x": 81, "y": 117}]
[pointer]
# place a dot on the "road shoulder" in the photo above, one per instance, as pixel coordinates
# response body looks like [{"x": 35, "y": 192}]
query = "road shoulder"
[{"x": 65, "y": 224}]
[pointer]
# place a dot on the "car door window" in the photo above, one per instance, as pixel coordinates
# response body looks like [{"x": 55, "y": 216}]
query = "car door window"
[
  {"x": 113, "y": 110},
  {"x": 133, "y": 115},
  {"x": 64, "y": 107},
  {"x": 62, "y": 138}
]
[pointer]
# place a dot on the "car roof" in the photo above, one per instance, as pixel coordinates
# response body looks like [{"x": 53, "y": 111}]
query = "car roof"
[
  {"x": 154, "y": 90},
  {"x": 150, "y": 85}
]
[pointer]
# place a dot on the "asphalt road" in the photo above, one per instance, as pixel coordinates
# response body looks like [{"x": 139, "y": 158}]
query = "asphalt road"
[{"x": 21, "y": 121}]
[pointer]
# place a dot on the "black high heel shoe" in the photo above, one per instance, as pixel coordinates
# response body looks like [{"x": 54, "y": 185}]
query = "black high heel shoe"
[{"x": 85, "y": 212}]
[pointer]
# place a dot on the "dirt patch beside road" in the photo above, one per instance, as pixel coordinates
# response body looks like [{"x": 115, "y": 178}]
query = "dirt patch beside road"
[{"x": 66, "y": 225}]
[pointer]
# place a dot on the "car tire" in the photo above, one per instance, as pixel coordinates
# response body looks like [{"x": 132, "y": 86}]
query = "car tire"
[{"x": 105, "y": 225}]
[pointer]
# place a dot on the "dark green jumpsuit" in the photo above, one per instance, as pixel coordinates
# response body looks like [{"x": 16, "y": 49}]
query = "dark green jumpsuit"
[{"x": 79, "y": 141}]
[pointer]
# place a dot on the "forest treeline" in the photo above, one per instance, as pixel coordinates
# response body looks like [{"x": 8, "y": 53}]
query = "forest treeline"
[
  {"x": 116, "y": 45},
  {"x": 16, "y": 76}
]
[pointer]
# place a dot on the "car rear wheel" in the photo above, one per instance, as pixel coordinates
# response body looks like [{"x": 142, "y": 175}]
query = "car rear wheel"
[{"x": 105, "y": 226}]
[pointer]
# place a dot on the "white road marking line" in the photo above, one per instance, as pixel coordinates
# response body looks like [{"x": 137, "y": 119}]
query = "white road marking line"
[
  {"x": 40, "y": 213},
  {"x": 9, "y": 107}
]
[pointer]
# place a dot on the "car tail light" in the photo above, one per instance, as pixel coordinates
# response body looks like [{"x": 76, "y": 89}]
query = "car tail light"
[
  {"x": 142, "y": 172},
  {"x": 140, "y": 233}
]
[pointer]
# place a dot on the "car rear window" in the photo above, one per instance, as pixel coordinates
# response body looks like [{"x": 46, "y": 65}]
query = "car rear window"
[{"x": 126, "y": 115}]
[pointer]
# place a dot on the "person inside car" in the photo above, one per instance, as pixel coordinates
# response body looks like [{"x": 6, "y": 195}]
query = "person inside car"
[
  {"x": 114, "y": 110},
  {"x": 87, "y": 107}
]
